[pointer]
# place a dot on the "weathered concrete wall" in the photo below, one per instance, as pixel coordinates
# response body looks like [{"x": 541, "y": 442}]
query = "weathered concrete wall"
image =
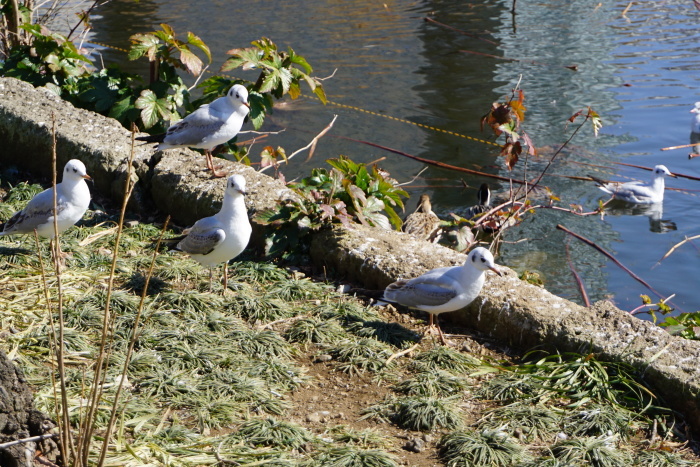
[{"x": 177, "y": 183}]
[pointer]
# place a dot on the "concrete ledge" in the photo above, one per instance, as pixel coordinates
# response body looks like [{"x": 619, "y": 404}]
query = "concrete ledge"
[{"x": 176, "y": 183}]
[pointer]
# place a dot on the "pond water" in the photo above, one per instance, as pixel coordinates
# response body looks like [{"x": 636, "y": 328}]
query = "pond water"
[{"x": 638, "y": 68}]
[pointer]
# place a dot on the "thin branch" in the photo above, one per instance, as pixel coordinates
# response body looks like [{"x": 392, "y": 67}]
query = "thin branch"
[
  {"x": 327, "y": 77},
  {"x": 311, "y": 145},
  {"x": 28, "y": 440},
  {"x": 679, "y": 147},
  {"x": 134, "y": 336},
  {"x": 430, "y": 161},
  {"x": 577, "y": 278},
  {"x": 100, "y": 373},
  {"x": 66, "y": 439},
  {"x": 199, "y": 77},
  {"x": 676, "y": 246},
  {"x": 84, "y": 15},
  {"x": 414, "y": 178},
  {"x": 611, "y": 258}
]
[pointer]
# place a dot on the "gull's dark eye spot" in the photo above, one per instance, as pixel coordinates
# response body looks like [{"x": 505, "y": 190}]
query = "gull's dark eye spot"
[
  {"x": 473, "y": 258},
  {"x": 483, "y": 260},
  {"x": 75, "y": 170}
]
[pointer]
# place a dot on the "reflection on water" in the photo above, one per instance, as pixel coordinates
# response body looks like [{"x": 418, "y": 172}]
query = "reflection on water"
[
  {"x": 638, "y": 71},
  {"x": 654, "y": 212}
]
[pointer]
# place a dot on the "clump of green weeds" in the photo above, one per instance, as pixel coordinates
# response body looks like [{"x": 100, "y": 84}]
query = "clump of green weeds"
[
  {"x": 480, "y": 448},
  {"x": 349, "y": 192}
]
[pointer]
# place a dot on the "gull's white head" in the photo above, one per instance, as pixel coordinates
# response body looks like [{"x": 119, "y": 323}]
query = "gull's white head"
[
  {"x": 661, "y": 171},
  {"x": 482, "y": 259},
  {"x": 695, "y": 109},
  {"x": 235, "y": 184},
  {"x": 239, "y": 95},
  {"x": 75, "y": 170}
]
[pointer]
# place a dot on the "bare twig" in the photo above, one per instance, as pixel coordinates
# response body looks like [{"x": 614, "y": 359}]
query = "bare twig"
[
  {"x": 311, "y": 145},
  {"x": 401, "y": 353},
  {"x": 329, "y": 76},
  {"x": 577, "y": 278},
  {"x": 679, "y": 147},
  {"x": 28, "y": 440},
  {"x": 676, "y": 246},
  {"x": 199, "y": 77},
  {"x": 66, "y": 439},
  {"x": 414, "y": 178},
  {"x": 134, "y": 337},
  {"x": 430, "y": 161},
  {"x": 610, "y": 257},
  {"x": 100, "y": 373},
  {"x": 80, "y": 21}
]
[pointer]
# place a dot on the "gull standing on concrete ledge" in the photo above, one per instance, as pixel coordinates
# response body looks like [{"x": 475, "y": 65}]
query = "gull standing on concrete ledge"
[
  {"x": 208, "y": 126},
  {"x": 444, "y": 289},
  {"x": 223, "y": 236},
  {"x": 638, "y": 192}
]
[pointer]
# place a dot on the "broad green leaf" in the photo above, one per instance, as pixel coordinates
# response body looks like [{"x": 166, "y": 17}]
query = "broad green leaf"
[
  {"x": 193, "y": 64},
  {"x": 152, "y": 108},
  {"x": 143, "y": 44},
  {"x": 199, "y": 43}
]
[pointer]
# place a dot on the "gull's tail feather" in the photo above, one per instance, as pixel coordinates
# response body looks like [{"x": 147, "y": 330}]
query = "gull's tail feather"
[
  {"x": 369, "y": 293},
  {"x": 152, "y": 138}
]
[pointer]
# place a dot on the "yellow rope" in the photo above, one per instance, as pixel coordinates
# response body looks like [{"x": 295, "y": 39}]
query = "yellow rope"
[{"x": 359, "y": 109}]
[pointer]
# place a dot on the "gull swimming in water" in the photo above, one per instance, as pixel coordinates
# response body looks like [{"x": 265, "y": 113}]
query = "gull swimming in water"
[
  {"x": 223, "y": 236},
  {"x": 695, "y": 122},
  {"x": 208, "y": 126},
  {"x": 695, "y": 130},
  {"x": 423, "y": 223},
  {"x": 445, "y": 289},
  {"x": 638, "y": 192},
  {"x": 72, "y": 200}
]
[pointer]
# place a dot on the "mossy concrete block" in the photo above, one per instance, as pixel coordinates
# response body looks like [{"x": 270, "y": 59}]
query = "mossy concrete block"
[
  {"x": 377, "y": 257},
  {"x": 27, "y": 117},
  {"x": 183, "y": 187}
]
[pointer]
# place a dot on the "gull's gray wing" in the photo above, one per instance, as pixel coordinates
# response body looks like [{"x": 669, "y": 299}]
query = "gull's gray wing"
[
  {"x": 205, "y": 235},
  {"x": 435, "y": 288},
  {"x": 194, "y": 128},
  {"x": 418, "y": 294},
  {"x": 37, "y": 212}
]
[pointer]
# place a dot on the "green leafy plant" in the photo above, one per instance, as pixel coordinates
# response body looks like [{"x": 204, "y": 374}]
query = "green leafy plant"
[
  {"x": 272, "y": 432},
  {"x": 280, "y": 73},
  {"x": 597, "y": 452},
  {"x": 686, "y": 325},
  {"x": 480, "y": 448},
  {"x": 349, "y": 192}
]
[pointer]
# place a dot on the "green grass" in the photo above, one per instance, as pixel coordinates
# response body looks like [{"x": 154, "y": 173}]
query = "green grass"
[
  {"x": 213, "y": 379},
  {"x": 463, "y": 448}
]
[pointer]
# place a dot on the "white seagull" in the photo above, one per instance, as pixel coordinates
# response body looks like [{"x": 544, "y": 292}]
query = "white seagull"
[
  {"x": 223, "y": 236},
  {"x": 72, "y": 200},
  {"x": 695, "y": 122},
  {"x": 423, "y": 223},
  {"x": 638, "y": 192},
  {"x": 446, "y": 289},
  {"x": 208, "y": 126}
]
